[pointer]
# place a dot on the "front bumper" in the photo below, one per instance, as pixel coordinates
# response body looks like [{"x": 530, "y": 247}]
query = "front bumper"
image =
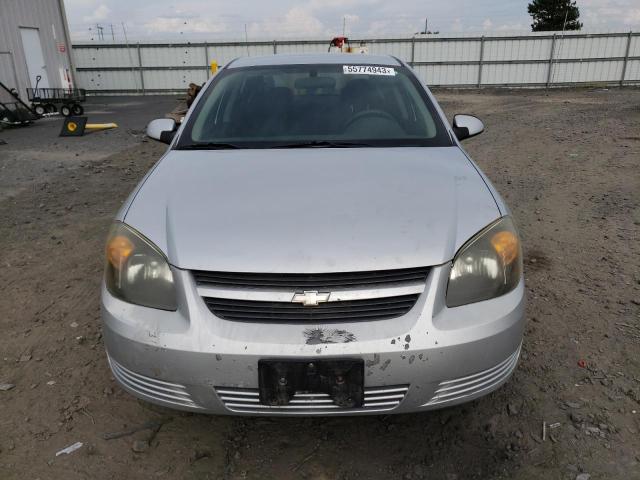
[{"x": 431, "y": 357}]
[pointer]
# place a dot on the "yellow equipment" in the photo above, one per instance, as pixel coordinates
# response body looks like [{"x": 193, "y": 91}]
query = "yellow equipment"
[
  {"x": 77, "y": 126},
  {"x": 100, "y": 126}
]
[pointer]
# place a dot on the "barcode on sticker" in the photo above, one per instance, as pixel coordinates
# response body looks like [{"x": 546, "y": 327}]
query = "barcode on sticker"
[{"x": 368, "y": 70}]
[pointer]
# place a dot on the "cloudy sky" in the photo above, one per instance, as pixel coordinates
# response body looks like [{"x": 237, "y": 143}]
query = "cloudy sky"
[{"x": 276, "y": 19}]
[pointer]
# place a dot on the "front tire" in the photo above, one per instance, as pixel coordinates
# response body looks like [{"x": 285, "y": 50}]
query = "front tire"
[{"x": 77, "y": 109}]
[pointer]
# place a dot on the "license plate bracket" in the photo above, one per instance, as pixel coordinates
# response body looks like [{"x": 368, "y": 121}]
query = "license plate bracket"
[{"x": 342, "y": 380}]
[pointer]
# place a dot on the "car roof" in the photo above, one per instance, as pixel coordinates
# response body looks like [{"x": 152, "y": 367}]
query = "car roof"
[{"x": 315, "y": 58}]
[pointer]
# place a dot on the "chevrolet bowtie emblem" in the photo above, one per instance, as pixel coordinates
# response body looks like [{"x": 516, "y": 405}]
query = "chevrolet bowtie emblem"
[{"x": 310, "y": 299}]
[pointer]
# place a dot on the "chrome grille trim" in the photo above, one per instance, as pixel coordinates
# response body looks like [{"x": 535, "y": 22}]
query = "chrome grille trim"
[
  {"x": 158, "y": 390},
  {"x": 270, "y": 295},
  {"x": 296, "y": 281},
  {"x": 472, "y": 385},
  {"x": 247, "y": 400}
]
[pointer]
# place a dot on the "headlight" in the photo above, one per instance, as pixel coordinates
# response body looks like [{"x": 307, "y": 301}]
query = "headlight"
[
  {"x": 136, "y": 271},
  {"x": 487, "y": 266}
]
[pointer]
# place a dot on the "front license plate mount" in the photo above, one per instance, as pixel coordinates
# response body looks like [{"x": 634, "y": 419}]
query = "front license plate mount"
[{"x": 342, "y": 380}]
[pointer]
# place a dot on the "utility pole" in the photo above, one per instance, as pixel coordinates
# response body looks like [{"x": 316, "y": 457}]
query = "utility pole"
[
  {"x": 113, "y": 36},
  {"x": 246, "y": 38},
  {"x": 133, "y": 70},
  {"x": 100, "y": 32},
  {"x": 552, "y": 73},
  {"x": 426, "y": 28}
]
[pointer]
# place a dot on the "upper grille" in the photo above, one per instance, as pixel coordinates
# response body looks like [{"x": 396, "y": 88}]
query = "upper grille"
[
  {"x": 297, "y": 281},
  {"x": 353, "y": 310}
]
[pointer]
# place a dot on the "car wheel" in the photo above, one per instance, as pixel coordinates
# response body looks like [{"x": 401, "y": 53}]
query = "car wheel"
[
  {"x": 77, "y": 109},
  {"x": 65, "y": 110},
  {"x": 40, "y": 110}
]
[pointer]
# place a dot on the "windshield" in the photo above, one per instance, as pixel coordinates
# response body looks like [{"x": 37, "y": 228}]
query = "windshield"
[{"x": 288, "y": 106}]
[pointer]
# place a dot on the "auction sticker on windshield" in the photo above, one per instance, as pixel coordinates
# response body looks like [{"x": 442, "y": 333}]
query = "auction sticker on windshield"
[{"x": 368, "y": 70}]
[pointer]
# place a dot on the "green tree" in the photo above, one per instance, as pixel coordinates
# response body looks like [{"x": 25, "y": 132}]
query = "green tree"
[{"x": 549, "y": 15}]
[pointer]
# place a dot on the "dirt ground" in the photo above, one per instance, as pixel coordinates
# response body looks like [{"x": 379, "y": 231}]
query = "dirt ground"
[{"x": 566, "y": 161}]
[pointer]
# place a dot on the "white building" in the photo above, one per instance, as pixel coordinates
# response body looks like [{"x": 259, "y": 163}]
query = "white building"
[{"x": 34, "y": 42}]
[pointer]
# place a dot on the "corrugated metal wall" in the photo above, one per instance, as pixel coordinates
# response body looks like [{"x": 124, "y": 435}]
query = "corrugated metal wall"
[
  {"x": 528, "y": 60},
  {"x": 46, "y": 16}
]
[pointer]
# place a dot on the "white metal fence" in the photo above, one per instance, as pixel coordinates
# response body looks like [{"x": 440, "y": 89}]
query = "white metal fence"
[{"x": 534, "y": 60}]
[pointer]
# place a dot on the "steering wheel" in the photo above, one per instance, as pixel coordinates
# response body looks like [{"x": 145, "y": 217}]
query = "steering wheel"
[{"x": 369, "y": 113}]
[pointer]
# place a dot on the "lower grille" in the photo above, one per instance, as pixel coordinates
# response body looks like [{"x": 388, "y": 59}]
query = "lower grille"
[
  {"x": 353, "y": 310},
  {"x": 473, "y": 385},
  {"x": 247, "y": 400},
  {"x": 152, "y": 389}
]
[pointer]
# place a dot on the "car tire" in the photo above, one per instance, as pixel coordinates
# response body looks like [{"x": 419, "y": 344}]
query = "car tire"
[
  {"x": 77, "y": 109},
  {"x": 40, "y": 110},
  {"x": 65, "y": 110}
]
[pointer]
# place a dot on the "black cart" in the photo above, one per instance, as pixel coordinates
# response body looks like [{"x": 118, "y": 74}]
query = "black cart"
[{"x": 64, "y": 100}]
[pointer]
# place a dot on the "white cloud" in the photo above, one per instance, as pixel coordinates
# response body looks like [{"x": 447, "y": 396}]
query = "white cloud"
[
  {"x": 325, "y": 5},
  {"x": 319, "y": 18},
  {"x": 609, "y": 13},
  {"x": 100, "y": 14},
  {"x": 392, "y": 26},
  {"x": 74, "y": 4},
  {"x": 273, "y": 19},
  {"x": 512, "y": 27},
  {"x": 632, "y": 17},
  {"x": 297, "y": 22},
  {"x": 183, "y": 24},
  {"x": 302, "y": 20},
  {"x": 457, "y": 25},
  {"x": 352, "y": 18}
]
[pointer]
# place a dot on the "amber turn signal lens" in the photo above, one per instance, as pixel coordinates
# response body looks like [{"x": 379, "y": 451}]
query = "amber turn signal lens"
[
  {"x": 506, "y": 245},
  {"x": 119, "y": 249}
]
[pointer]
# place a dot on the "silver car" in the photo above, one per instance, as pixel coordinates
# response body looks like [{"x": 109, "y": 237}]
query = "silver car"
[{"x": 314, "y": 241}]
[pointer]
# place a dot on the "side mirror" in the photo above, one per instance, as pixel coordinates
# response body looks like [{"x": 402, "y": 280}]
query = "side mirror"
[
  {"x": 467, "y": 126},
  {"x": 162, "y": 129}
]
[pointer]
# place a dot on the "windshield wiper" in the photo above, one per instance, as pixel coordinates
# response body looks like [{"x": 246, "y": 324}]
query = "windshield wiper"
[
  {"x": 322, "y": 144},
  {"x": 209, "y": 146}
]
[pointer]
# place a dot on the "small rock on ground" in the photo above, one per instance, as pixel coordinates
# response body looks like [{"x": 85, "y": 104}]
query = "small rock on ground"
[
  {"x": 198, "y": 454},
  {"x": 140, "y": 446}
]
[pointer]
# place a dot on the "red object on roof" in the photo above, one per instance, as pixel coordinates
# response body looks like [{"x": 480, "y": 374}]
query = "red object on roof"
[{"x": 338, "y": 42}]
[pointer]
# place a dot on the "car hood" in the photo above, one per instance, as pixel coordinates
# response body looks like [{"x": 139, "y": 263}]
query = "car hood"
[{"x": 312, "y": 210}]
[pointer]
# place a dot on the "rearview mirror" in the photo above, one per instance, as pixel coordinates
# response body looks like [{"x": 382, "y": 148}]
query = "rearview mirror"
[
  {"x": 467, "y": 126},
  {"x": 162, "y": 129}
]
